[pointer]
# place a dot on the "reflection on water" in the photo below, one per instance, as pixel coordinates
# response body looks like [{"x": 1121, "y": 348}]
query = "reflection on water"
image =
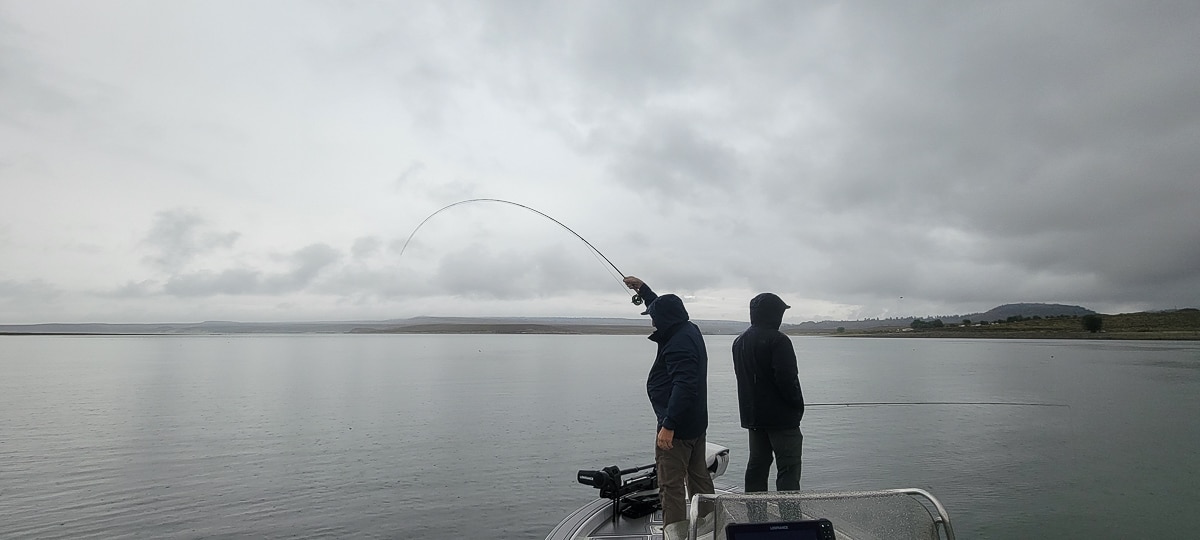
[{"x": 456, "y": 436}]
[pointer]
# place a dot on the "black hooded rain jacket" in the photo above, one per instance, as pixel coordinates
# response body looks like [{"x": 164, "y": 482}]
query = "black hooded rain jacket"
[
  {"x": 764, "y": 362},
  {"x": 678, "y": 380}
]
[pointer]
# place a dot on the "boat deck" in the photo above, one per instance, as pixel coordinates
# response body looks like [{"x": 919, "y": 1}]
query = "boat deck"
[
  {"x": 891, "y": 514},
  {"x": 595, "y": 521},
  {"x": 887, "y": 514}
]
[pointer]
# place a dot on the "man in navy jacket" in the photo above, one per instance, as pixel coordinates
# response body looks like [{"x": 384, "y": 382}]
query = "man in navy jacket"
[{"x": 678, "y": 390}]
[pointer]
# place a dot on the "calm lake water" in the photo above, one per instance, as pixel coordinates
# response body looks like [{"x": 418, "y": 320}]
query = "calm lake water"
[{"x": 440, "y": 437}]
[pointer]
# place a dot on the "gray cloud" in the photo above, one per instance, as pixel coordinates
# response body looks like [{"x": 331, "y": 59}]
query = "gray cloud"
[
  {"x": 675, "y": 160},
  {"x": 367, "y": 285},
  {"x": 237, "y": 281},
  {"x": 366, "y": 247},
  {"x": 28, "y": 291},
  {"x": 135, "y": 289},
  {"x": 308, "y": 262},
  {"x": 1051, "y": 151},
  {"x": 480, "y": 271},
  {"x": 959, "y": 156},
  {"x": 179, "y": 235},
  {"x": 26, "y": 94},
  {"x": 410, "y": 173},
  {"x": 305, "y": 265}
]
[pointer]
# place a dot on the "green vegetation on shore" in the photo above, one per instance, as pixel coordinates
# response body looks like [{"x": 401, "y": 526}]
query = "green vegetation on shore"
[{"x": 1167, "y": 325}]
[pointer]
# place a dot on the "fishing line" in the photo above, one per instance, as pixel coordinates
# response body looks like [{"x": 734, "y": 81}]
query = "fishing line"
[
  {"x": 636, "y": 299},
  {"x": 889, "y": 403}
]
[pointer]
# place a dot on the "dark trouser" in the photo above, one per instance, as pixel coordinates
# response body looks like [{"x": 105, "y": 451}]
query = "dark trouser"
[
  {"x": 786, "y": 445},
  {"x": 683, "y": 466}
]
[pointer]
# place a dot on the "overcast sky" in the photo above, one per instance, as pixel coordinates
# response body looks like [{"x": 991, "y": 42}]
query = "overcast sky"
[{"x": 266, "y": 161}]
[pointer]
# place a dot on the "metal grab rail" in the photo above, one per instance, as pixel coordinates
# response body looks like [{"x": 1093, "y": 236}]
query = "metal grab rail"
[{"x": 943, "y": 517}]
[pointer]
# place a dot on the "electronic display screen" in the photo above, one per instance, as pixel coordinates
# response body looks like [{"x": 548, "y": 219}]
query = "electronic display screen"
[{"x": 812, "y": 529}]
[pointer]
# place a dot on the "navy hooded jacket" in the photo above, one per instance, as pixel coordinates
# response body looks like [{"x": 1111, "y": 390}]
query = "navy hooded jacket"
[
  {"x": 764, "y": 362},
  {"x": 678, "y": 380}
]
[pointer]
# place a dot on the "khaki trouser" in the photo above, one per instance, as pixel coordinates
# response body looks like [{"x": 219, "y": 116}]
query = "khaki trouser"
[{"x": 682, "y": 472}]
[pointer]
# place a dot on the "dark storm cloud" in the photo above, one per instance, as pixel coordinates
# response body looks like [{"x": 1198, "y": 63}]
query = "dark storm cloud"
[
  {"x": 1060, "y": 150},
  {"x": 179, "y": 235},
  {"x": 1000, "y": 112},
  {"x": 1043, "y": 139}
]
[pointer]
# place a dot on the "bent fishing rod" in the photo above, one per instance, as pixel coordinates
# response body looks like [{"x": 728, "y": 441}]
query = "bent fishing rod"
[{"x": 636, "y": 299}]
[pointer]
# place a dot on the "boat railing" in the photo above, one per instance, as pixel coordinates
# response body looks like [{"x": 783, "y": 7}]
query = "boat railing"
[{"x": 891, "y": 514}]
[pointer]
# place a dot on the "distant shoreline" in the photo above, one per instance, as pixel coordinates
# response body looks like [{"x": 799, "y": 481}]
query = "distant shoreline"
[
  {"x": 610, "y": 331},
  {"x": 1181, "y": 325},
  {"x": 951, "y": 334}
]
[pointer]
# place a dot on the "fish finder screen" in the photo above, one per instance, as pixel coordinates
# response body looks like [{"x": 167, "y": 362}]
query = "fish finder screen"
[
  {"x": 816, "y": 529},
  {"x": 779, "y": 535}
]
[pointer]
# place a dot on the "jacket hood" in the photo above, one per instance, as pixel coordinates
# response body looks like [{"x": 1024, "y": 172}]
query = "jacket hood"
[
  {"x": 667, "y": 311},
  {"x": 766, "y": 311}
]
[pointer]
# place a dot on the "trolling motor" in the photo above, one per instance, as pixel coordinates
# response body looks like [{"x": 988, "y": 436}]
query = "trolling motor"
[{"x": 629, "y": 491}]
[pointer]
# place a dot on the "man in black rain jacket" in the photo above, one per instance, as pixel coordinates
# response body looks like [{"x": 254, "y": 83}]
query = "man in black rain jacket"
[
  {"x": 769, "y": 396},
  {"x": 678, "y": 389}
]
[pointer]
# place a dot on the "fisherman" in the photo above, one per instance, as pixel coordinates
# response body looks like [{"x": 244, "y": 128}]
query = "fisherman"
[
  {"x": 678, "y": 390},
  {"x": 769, "y": 396}
]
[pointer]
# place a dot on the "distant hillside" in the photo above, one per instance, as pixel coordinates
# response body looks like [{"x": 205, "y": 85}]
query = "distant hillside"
[
  {"x": 1002, "y": 313},
  {"x": 827, "y": 326},
  {"x": 1183, "y": 324},
  {"x": 998, "y": 313}
]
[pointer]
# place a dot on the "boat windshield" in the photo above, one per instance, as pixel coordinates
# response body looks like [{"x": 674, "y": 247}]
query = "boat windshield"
[{"x": 860, "y": 515}]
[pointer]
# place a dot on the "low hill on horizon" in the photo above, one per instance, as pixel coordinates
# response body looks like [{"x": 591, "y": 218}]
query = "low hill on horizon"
[
  {"x": 1175, "y": 324},
  {"x": 1001, "y": 313},
  {"x": 998, "y": 313}
]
